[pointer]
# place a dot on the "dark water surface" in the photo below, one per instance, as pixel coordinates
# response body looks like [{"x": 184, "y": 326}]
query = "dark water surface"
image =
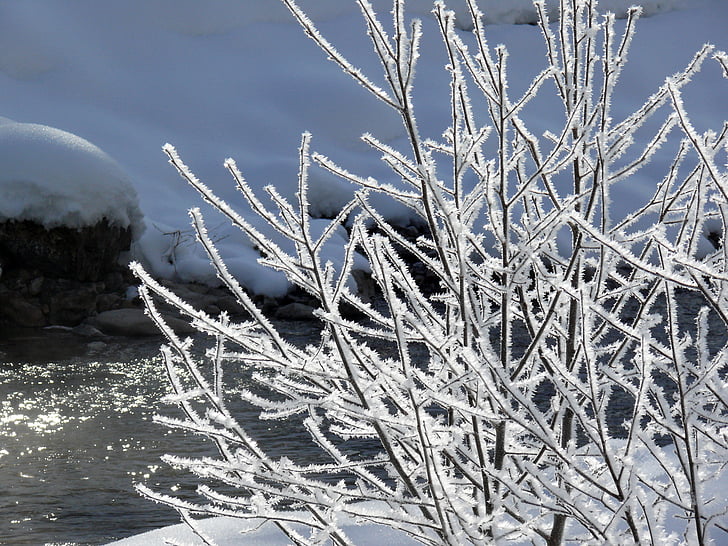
[{"x": 76, "y": 433}]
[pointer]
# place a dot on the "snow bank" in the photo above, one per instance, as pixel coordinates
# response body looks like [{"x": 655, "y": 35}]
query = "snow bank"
[
  {"x": 225, "y": 78},
  {"x": 228, "y": 532},
  {"x": 56, "y": 178},
  {"x": 221, "y": 16},
  {"x": 170, "y": 253}
]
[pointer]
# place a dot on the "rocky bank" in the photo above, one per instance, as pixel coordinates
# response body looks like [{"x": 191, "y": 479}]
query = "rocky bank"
[{"x": 78, "y": 279}]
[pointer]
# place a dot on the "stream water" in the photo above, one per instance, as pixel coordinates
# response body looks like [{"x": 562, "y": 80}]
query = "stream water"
[{"x": 76, "y": 434}]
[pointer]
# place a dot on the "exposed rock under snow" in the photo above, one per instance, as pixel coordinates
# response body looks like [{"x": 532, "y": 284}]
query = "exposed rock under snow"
[{"x": 133, "y": 322}]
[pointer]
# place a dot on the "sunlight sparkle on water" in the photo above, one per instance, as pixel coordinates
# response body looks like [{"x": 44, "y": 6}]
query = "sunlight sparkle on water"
[{"x": 75, "y": 431}]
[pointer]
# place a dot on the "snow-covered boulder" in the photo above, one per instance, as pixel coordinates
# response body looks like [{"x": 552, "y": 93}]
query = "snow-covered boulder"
[
  {"x": 51, "y": 179},
  {"x": 66, "y": 208},
  {"x": 56, "y": 178},
  {"x": 67, "y": 212}
]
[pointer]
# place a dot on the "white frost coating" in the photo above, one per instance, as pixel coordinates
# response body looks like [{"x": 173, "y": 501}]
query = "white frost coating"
[
  {"x": 56, "y": 178},
  {"x": 469, "y": 453}
]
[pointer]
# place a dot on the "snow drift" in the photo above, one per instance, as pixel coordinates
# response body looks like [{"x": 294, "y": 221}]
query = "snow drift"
[{"x": 238, "y": 79}]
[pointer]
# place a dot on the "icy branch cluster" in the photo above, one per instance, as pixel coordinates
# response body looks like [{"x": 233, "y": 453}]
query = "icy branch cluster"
[{"x": 544, "y": 393}]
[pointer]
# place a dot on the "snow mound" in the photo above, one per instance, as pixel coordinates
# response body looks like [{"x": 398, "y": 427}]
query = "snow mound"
[
  {"x": 56, "y": 178},
  {"x": 228, "y": 531}
]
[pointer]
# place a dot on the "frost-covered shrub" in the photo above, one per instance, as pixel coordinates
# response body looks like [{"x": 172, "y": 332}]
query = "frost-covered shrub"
[{"x": 546, "y": 392}]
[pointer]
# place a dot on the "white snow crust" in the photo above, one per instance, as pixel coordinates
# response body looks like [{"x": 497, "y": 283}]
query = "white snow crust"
[{"x": 229, "y": 532}]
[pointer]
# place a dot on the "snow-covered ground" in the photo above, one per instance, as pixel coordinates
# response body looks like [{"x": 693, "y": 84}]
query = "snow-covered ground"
[
  {"x": 234, "y": 532},
  {"x": 227, "y": 532},
  {"x": 224, "y": 78}
]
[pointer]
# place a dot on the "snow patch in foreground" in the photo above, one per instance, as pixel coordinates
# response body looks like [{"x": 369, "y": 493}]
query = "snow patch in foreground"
[
  {"x": 56, "y": 178},
  {"x": 227, "y": 531}
]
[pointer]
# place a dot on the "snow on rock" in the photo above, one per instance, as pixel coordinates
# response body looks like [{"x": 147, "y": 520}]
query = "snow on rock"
[
  {"x": 68, "y": 216},
  {"x": 170, "y": 253},
  {"x": 56, "y": 178}
]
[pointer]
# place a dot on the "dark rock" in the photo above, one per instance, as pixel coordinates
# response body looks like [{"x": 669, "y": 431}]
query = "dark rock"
[
  {"x": 114, "y": 280},
  {"x": 199, "y": 301},
  {"x": 196, "y": 295},
  {"x": 268, "y": 305},
  {"x": 35, "y": 286},
  {"x": 411, "y": 232},
  {"x": 17, "y": 280},
  {"x": 20, "y": 311},
  {"x": 197, "y": 288},
  {"x": 229, "y": 304},
  {"x": 366, "y": 287},
  {"x": 212, "y": 310},
  {"x": 136, "y": 303},
  {"x": 62, "y": 275},
  {"x": 70, "y": 307},
  {"x": 86, "y": 330},
  {"x": 295, "y": 311},
  {"x": 107, "y": 302},
  {"x": 134, "y": 322},
  {"x": 85, "y": 254}
]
